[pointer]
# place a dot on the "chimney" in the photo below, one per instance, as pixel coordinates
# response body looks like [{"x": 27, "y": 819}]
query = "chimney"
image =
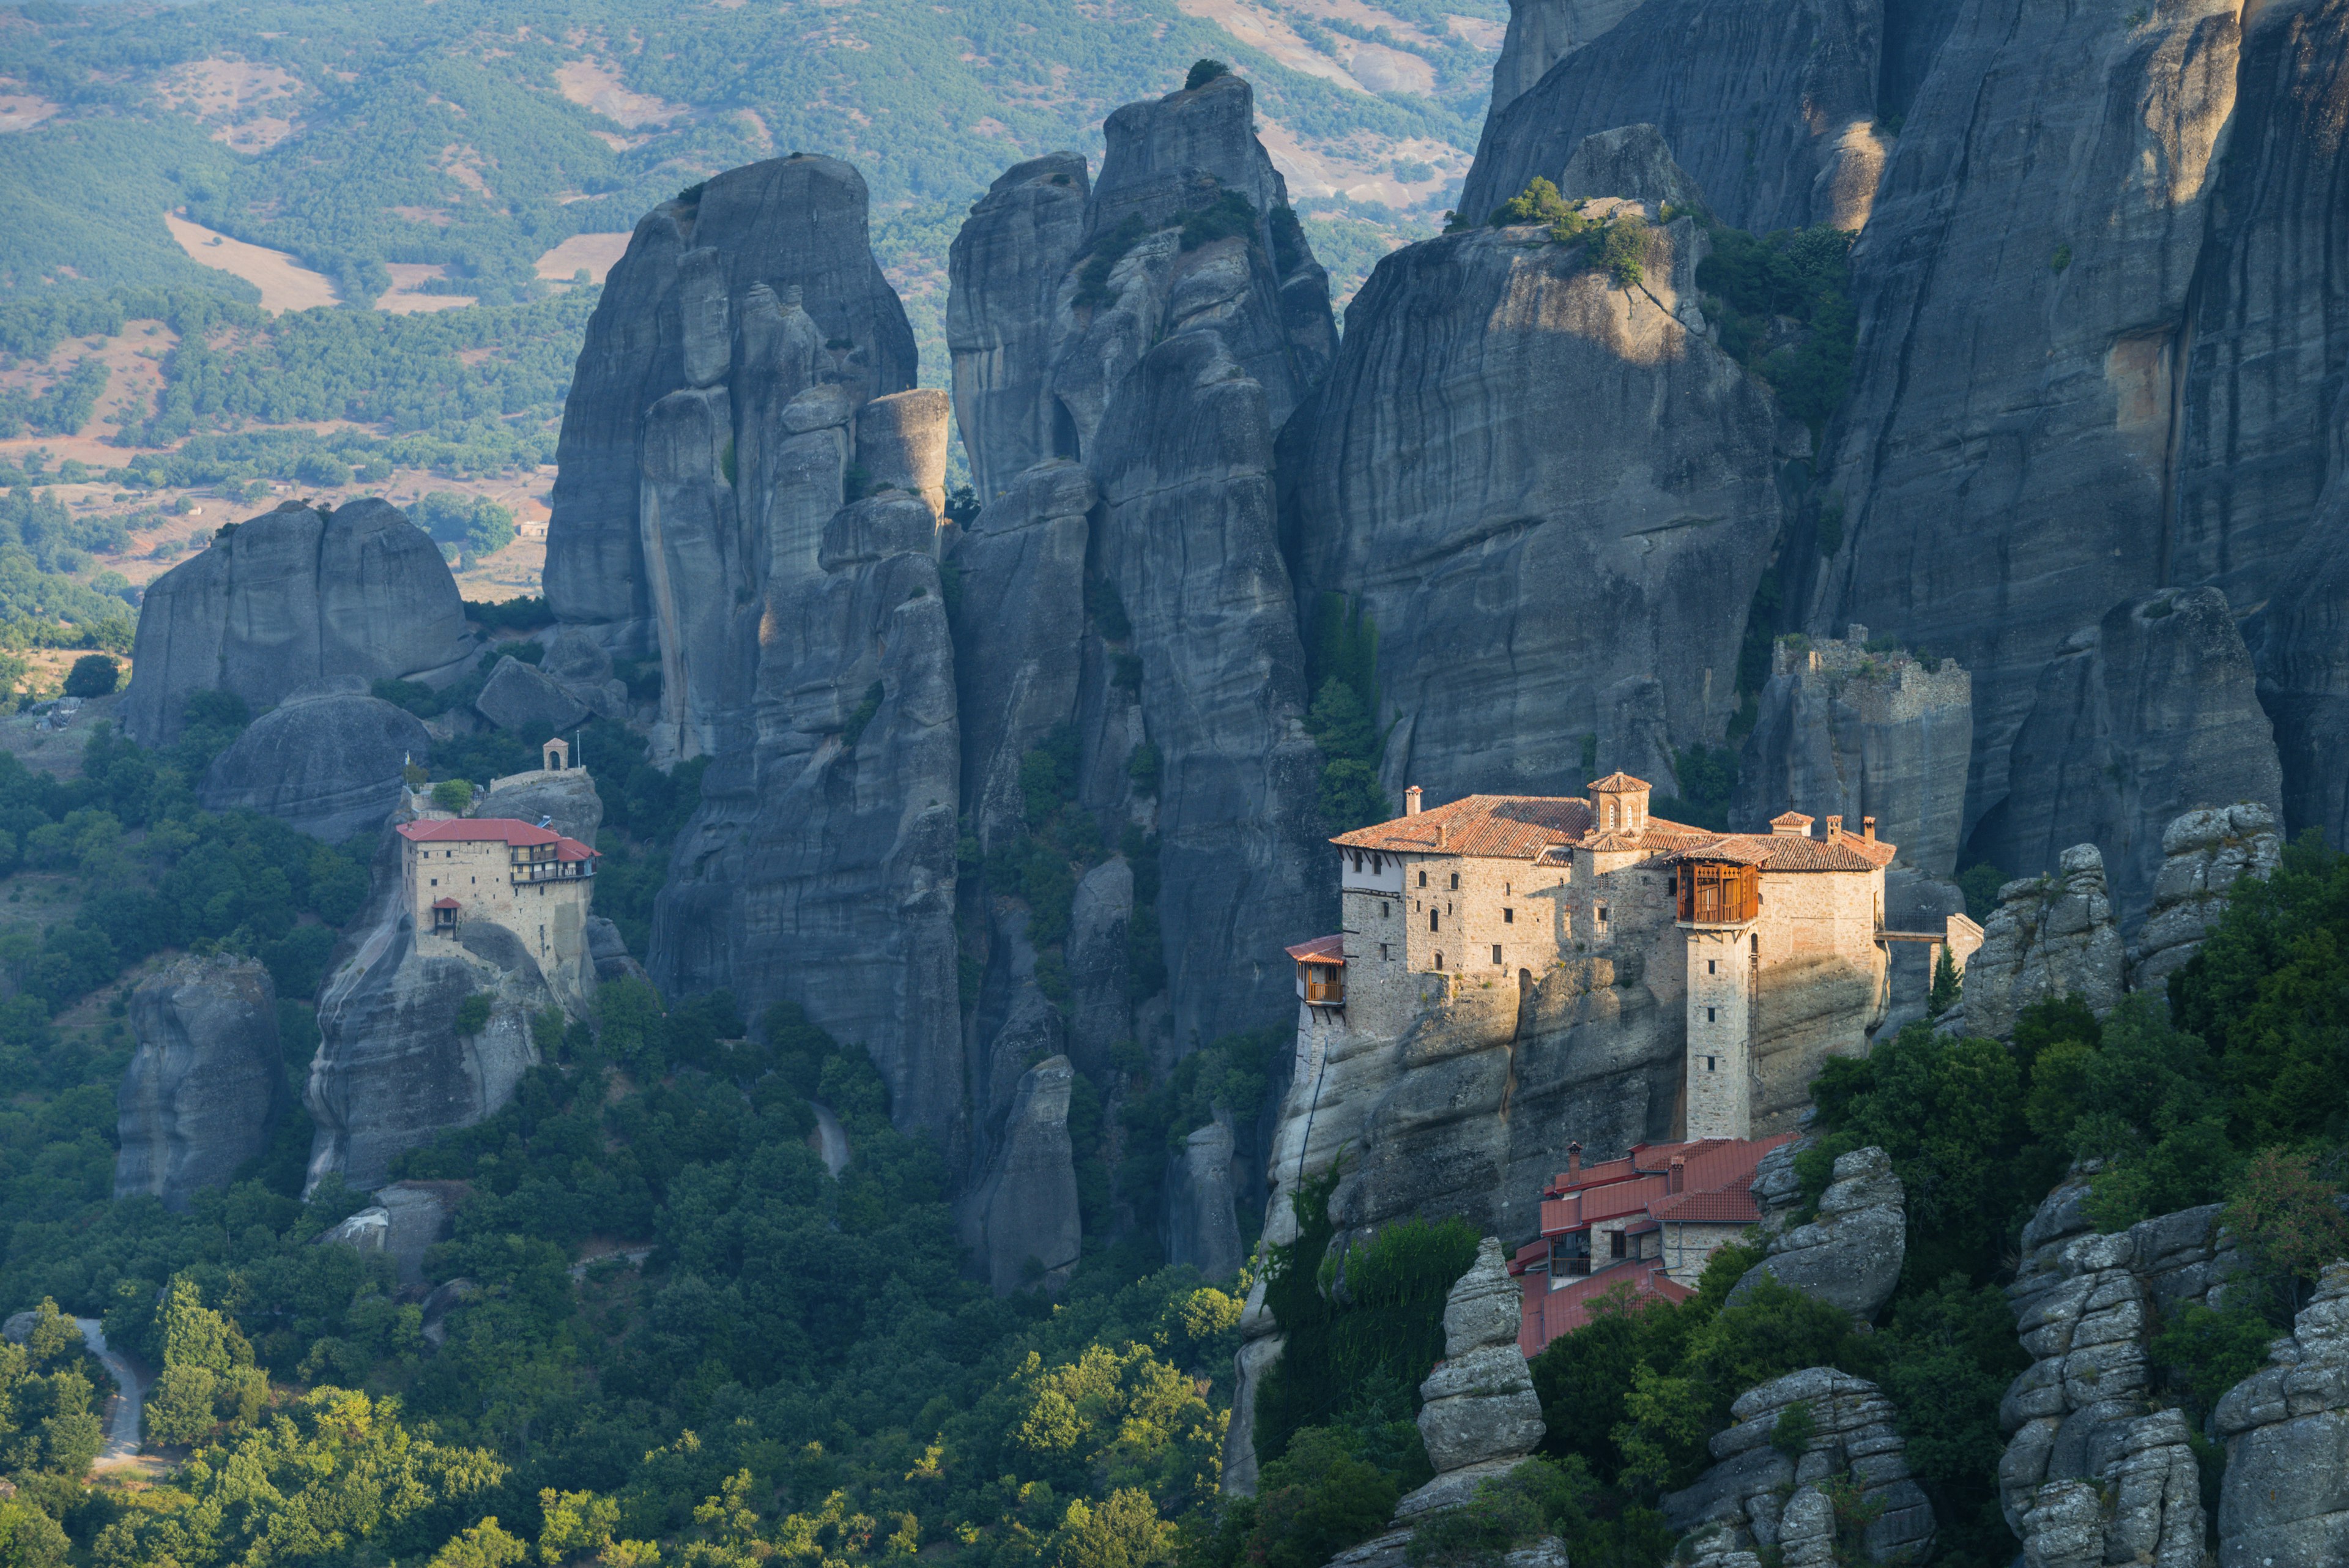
[
  {"x": 1573, "y": 1160},
  {"x": 1410, "y": 801},
  {"x": 1835, "y": 826},
  {"x": 1867, "y": 829},
  {"x": 1677, "y": 1179}
]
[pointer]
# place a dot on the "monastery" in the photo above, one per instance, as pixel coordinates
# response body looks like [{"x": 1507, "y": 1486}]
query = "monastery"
[{"x": 1778, "y": 938}]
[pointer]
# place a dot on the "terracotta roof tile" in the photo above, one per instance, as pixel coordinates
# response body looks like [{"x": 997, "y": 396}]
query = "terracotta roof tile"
[
  {"x": 1548, "y": 1313},
  {"x": 1619, "y": 782},
  {"x": 1495, "y": 826},
  {"x": 1321, "y": 949},
  {"x": 1790, "y": 851},
  {"x": 512, "y": 832}
]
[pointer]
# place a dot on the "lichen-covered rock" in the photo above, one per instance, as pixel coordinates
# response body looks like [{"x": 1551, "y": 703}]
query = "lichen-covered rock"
[
  {"x": 521, "y": 698},
  {"x": 206, "y": 1086},
  {"x": 2092, "y": 1474},
  {"x": 2285, "y": 1498},
  {"x": 1029, "y": 1228},
  {"x": 289, "y": 599},
  {"x": 2204, "y": 854},
  {"x": 2049, "y": 937},
  {"x": 1758, "y": 1496},
  {"x": 404, "y": 1219},
  {"x": 328, "y": 765},
  {"x": 1478, "y": 1412},
  {"x": 1851, "y": 1255}
]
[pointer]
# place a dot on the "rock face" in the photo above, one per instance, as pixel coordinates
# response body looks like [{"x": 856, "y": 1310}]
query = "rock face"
[
  {"x": 391, "y": 1070},
  {"x": 1023, "y": 1218},
  {"x": 1758, "y": 1496},
  {"x": 2287, "y": 1435},
  {"x": 1865, "y": 734},
  {"x": 286, "y": 600},
  {"x": 2204, "y": 853},
  {"x": 520, "y": 697},
  {"x": 1479, "y": 1414},
  {"x": 732, "y": 300},
  {"x": 567, "y": 798},
  {"x": 2149, "y": 713},
  {"x": 1003, "y": 276},
  {"x": 1851, "y": 1255},
  {"x": 206, "y": 1086},
  {"x": 1551, "y": 496},
  {"x": 2050, "y": 937},
  {"x": 1544, "y": 32},
  {"x": 329, "y": 765},
  {"x": 2091, "y": 1474},
  {"x": 1202, "y": 1225},
  {"x": 1771, "y": 107},
  {"x": 406, "y": 1218}
]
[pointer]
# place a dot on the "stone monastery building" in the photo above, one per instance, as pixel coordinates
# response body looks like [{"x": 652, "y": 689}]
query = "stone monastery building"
[
  {"x": 1780, "y": 936},
  {"x": 525, "y": 876}
]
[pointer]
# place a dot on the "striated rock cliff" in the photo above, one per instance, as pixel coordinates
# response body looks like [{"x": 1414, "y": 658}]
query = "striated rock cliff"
[
  {"x": 1868, "y": 733},
  {"x": 206, "y": 1086},
  {"x": 1542, "y": 33},
  {"x": 2287, "y": 1433},
  {"x": 1003, "y": 278},
  {"x": 328, "y": 765},
  {"x": 289, "y": 599},
  {"x": 1850, "y": 1256},
  {"x": 2049, "y": 937},
  {"x": 1758, "y": 1496},
  {"x": 1479, "y": 1414},
  {"x": 1022, "y": 1219},
  {"x": 1553, "y": 497},
  {"x": 2092, "y": 1472},
  {"x": 2204, "y": 854},
  {"x": 1771, "y": 105}
]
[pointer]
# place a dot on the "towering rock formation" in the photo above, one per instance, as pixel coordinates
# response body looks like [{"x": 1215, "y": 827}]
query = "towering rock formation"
[
  {"x": 206, "y": 1086},
  {"x": 2204, "y": 853},
  {"x": 1770, "y": 105},
  {"x": 1478, "y": 1414},
  {"x": 1022, "y": 1220},
  {"x": 1550, "y": 494},
  {"x": 330, "y": 765},
  {"x": 290, "y": 599},
  {"x": 1152, "y": 342},
  {"x": 730, "y": 300},
  {"x": 2050, "y": 937},
  {"x": 1879, "y": 734}
]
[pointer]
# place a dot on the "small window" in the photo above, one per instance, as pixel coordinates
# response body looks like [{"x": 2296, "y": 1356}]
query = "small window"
[
  {"x": 1711, "y": 966},
  {"x": 1496, "y": 952},
  {"x": 1383, "y": 953},
  {"x": 435, "y": 881},
  {"x": 1422, "y": 878},
  {"x": 1382, "y": 909},
  {"x": 1602, "y": 914},
  {"x": 1455, "y": 881},
  {"x": 1508, "y": 917},
  {"x": 1707, "y": 1014},
  {"x": 1435, "y": 919},
  {"x": 1757, "y": 944},
  {"x": 1439, "y": 960},
  {"x": 1712, "y": 1064},
  {"x": 1615, "y": 1244}
]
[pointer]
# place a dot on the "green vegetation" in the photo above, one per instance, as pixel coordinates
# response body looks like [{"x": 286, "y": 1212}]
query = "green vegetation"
[
  {"x": 1708, "y": 778},
  {"x": 1202, "y": 72},
  {"x": 1341, "y": 671},
  {"x": 1803, "y": 277}
]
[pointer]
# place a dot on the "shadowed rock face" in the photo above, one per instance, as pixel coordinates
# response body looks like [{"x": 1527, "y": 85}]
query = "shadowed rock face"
[
  {"x": 1544, "y": 32},
  {"x": 2049, "y": 938},
  {"x": 1004, "y": 275},
  {"x": 1479, "y": 1413},
  {"x": 1551, "y": 495},
  {"x": 702, "y": 301},
  {"x": 290, "y": 599},
  {"x": 1023, "y": 1218},
  {"x": 2287, "y": 1433},
  {"x": 205, "y": 1089},
  {"x": 1770, "y": 105},
  {"x": 329, "y": 765},
  {"x": 2204, "y": 854},
  {"x": 1851, "y": 1255}
]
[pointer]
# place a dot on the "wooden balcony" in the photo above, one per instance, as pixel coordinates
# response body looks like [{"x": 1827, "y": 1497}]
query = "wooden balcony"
[{"x": 1718, "y": 894}]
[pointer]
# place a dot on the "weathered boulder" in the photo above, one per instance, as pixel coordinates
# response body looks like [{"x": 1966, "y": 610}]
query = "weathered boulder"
[
  {"x": 1552, "y": 495},
  {"x": 1771, "y": 107},
  {"x": 1758, "y": 1496},
  {"x": 206, "y": 1086},
  {"x": 901, "y": 444},
  {"x": 289, "y": 599},
  {"x": 2285, "y": 1498},
  {"x": 2204, "y": 854},
  {"x": 1862, "y": 734},
  {"x": 1030, "y": 1231},
  {"x": 406, "y": 1218},
  {"x": 2050, "y": 937},
  {"x": 1633, "y": 164},
  {"x": 1851, "y": 1255},
  {"x": 329, "y": 765},
  {"x": 1004, "y": 273},
  {"x": 2148, "y": 714},
  {"x": 566, "y": 798},
  {"x": 2092, "y": 1473},
  {"x": 608, "y": 950},
  {"x": 521, "y": 698},
  {"x": 1479, "y": 1414}
]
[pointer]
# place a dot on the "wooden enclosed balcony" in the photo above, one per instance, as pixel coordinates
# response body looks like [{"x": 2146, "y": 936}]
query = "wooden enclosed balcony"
[
  {"x": 1718, "y": 894},
  {"x": 1320, "y": 971}
]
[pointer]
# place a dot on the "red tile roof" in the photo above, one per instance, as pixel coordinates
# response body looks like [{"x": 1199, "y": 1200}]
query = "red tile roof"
[
  {"x": 1790, "y": 851},
  {"x": 1546, "y": 1314},
  {"x": 444, "y": 903},
  {"x": 1619, "y": 782},
  {"x": 1321, "y": 949},
  {"x": 510, "y": 831},
  {"x": 1717, "y": 1175},
  {"x": 1521, "y": 827}
]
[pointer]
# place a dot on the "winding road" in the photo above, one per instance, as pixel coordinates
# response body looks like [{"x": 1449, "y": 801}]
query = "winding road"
[{"x": 122, "y": 1432}]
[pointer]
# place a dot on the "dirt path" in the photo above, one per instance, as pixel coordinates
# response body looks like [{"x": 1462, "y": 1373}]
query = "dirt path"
[{"x": 121, "y": 1450}]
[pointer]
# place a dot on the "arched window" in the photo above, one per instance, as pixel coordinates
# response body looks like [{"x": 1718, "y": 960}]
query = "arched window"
[
  {"x": 1435, "y": 919},
  {"x": 1439, "y": 960}
]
